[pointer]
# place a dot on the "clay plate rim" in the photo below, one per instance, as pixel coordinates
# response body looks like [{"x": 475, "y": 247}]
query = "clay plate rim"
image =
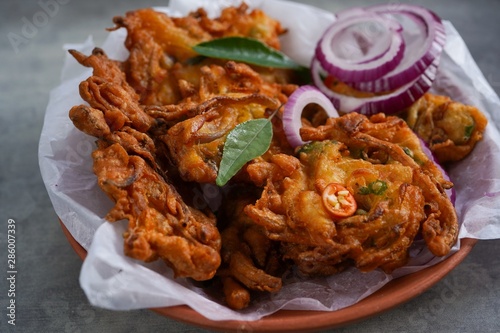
[{"x": 391, "y": 295}]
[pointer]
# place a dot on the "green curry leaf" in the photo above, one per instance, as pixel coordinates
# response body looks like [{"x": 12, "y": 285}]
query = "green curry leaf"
[
  {"x": 245, "y": 142},
  {"x": 246, "y": 50}
]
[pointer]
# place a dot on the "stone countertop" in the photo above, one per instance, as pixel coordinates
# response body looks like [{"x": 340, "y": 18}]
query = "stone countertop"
[{"x": 48, "y": 296}]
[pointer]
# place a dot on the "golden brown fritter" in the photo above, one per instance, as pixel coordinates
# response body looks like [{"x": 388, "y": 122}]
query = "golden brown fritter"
[
  {"x": 158, "y": 111},
  {"x": 160, "y": 224},
  {"x": 250, "y": 261},
  {"x": 396, "y": 197},
  {"x": 450, "y": 128},
  {"x": 108, "y": 91},
  {"x": 159, "y": 45},
  {"x": 390, "y": 136},
  {"x": 200, "y": 101},
  {"x": 227, "y": 96}
]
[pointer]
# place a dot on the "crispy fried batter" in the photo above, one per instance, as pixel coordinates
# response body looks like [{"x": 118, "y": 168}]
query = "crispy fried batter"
[
  {"x": 154, "y": 112},
  {"x": 392, "y": 137},
  {"x": 160, "y": 224},
  {"x": 196, "y": 144},
  {"x": 238, "y": 21},
  {"x": 226, "y": 96},
  {"x": 451, "y": 129},
  {"x": 160, "y": 46},
  {"x": 200, "y": 102},
  {"x": 410, "y": 198},
  {"x": 237, "y": 297},
  {"x": 108, "y": 91},
  {"x": 248, "y": 255}
]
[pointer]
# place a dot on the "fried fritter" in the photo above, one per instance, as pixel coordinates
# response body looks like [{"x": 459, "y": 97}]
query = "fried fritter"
[
  {"x": 200, "y": 102},
  {"x": 249, "y": 258},
  {"x": 196, "y": 144},
  {"x": 161, "y": 113},
  {"x": 160, "y": 224},
  {"x": 451, "y": 129},
  {"x": 108, "y": 90},
  {"x": 113, "y": 114},
  {"x": 388, "y": 135},
  {"x": 396, "y": 196},
  {"x": 227, "y": 96},
  {"x": 160, "y": 45}
]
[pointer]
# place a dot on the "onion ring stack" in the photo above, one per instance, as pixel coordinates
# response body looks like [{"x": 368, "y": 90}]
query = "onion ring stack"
[{"x": 386, "y": 55}]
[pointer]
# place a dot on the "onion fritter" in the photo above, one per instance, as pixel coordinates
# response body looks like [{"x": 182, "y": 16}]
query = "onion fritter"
[
  {"x": 159, "y": 45},
  {"x": 451, "y": 129},
  {"x": 250, "y": 258},
  {"x": 163, "y": 109},
  {"x": 160, "y": 224},
  {"x": 397, "y": 196}
]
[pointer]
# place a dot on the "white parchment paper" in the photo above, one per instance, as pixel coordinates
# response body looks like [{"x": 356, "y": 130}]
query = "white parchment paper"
[{"x": 113, "y": 281}]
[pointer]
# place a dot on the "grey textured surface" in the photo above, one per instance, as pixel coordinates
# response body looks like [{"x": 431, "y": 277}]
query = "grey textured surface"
[{"x": 48, "y": 296}]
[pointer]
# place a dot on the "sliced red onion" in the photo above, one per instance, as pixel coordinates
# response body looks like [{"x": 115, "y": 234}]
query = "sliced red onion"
[
  {"x": 390, "y": 103},
  {"x": 427, "y": 151},
  {"x": 361, "y": 48},
  {"x": 424, "y": 37},
  {"x": 292, "y": 114}
]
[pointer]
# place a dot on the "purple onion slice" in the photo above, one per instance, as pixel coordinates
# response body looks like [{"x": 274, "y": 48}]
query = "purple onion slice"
[
  {"x": 361, "y": 48},
  {"x": 424, "y": 37},
  {"x": 389, "y": 103},
  {"x": 300, "y": 98}
]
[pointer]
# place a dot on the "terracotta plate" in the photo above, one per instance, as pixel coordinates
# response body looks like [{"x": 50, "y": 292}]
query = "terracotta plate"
[{"x": 391, "y": 295}]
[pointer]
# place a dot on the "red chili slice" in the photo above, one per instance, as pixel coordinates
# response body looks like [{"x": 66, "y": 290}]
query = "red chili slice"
[{"x": 338, "y": 200}]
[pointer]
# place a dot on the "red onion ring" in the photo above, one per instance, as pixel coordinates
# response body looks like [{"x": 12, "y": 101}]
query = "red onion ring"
[
  {"x": 424, "y": 36},
  {"x": 347, "y": 49},
  {"x": 391, "y": 103},
  {"x": 411, "y": 76},
  {"x": 296, "y": 103}
]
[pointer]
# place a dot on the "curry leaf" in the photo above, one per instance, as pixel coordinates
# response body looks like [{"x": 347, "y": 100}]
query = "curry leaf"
[
  {"x": 245, "y": 142},
  {"x": 246, "y": 50}
]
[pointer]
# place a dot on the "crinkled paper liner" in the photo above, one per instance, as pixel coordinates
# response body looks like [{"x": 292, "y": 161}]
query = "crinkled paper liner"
[{"x": 113, "y": 281}]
